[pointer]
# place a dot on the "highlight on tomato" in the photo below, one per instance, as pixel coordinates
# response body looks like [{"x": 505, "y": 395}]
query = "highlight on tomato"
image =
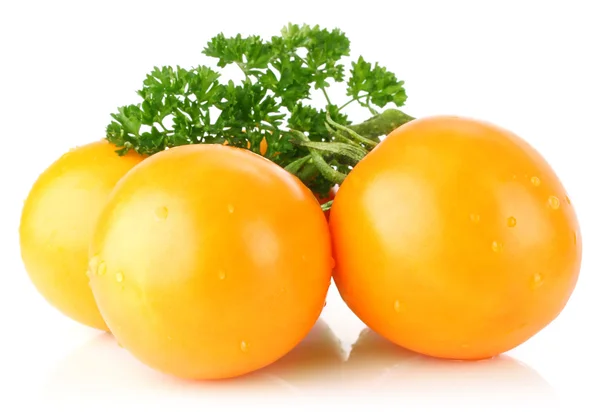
[
  {"x": 210, "y": 261},
  {"x": 57, "y": 221},
  {"x": 455, "y": 238}
]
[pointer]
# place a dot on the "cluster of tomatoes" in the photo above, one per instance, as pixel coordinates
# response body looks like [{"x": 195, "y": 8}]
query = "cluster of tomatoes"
[{"x": 452, "y": 238}]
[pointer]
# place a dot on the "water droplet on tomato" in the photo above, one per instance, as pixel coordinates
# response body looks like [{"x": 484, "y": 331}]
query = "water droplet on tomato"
[
  {"x": 244, "y": 346},
  {"x": 119, "y": 277},
  {"x": 535, "y": 181},
  {"x": 497, "y": 246},
  {"x": 575, "y": 238},
  {"x": 568, "y": 200},
  {"x": 230, "y": 208},
  {"x": 101, "y": 268},
  {"x": 512, "y": 222},
  {"x": 475, "y": 218},
  {"x": 93, "y": 264},
  {"x": 332, "y": 263},
  {"x": 536, "y": 280},
  {"x": 397, "y": 306},
  {"x": 222, "y": 275},
  {"x": 161, "y": 213},
  {"x": 553, "y": 202}
]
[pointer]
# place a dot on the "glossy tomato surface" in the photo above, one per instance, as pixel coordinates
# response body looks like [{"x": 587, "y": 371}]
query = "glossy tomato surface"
[
  {"x": 210, "y": 262},
  {"x": 454, "y": 238},
  {"x": 57, "y": 222}
]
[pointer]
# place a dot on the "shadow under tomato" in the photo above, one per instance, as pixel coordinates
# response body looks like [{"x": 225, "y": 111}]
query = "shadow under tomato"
[
  {"x": 375, "y": 365},
  {"x": 102, "y": 371}
]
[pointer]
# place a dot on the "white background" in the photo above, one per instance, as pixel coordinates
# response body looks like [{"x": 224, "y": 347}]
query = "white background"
[{"x": 530, "y": 66}]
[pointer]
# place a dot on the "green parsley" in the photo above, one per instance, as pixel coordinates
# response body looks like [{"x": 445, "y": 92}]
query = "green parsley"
[{"x": 319, "y": 145}]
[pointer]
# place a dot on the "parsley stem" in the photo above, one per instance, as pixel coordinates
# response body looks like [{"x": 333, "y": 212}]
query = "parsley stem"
[
  {"x": 326, "y": 97},
  {"x": 371, "y": 109},
  {"x": 326, "y": 170},
  {"x": 242, "y": 67},
  {"x": 351, "y": 132},
  {"x": 352, "y": 101},
  {"x": 339, "y": 136},
  {"x": 296, "y": 165},
  {"x": 353, "y": 151},
  {"x": 326, "y": 206},
  {"x": 381, "y": 124}
]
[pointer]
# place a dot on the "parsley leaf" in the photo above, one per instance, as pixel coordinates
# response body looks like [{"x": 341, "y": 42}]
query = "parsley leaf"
[
  {"x": 265, "y": 112},
  {"x": 374, "y": 84}
]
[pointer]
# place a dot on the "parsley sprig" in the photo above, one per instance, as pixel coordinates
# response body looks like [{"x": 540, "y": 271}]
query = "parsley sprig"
[{"x": 269, "y": 111}]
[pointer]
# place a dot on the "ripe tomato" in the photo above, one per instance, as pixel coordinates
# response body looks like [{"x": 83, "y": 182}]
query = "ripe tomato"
[
  {"x": 454, "y": 238},
  {"x": 57, "y": 221},
  {"x": 210, "y": 262}
]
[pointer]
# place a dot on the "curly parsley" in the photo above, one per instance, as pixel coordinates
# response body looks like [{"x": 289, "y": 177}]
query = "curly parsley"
[{"x": 192, "y": 106}]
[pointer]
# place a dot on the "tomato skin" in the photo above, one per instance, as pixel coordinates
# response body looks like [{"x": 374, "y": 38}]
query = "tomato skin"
[
  {"x": 454, "y": 238},
  {"x": 57, "y": 222},
  {"x": 210, "y": 262}
]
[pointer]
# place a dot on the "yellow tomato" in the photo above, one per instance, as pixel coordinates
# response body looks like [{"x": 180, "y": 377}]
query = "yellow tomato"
[
  {"x": 57, "y": 221},
  {"x": 455, "y": 238},
  {"x": 210, "y": 262}
]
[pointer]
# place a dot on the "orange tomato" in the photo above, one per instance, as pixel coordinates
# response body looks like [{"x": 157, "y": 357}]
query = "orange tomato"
[
  {"x": 57, "y": 222},
  {"x": 210, "y": 262},
  {"x": 455, "y": 238}
]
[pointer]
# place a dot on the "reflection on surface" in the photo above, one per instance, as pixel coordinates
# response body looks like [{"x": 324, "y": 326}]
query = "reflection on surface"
[
  {"x": 377, "y": 365},
  {"x": 103, "y": 373},
  {"x": 102, "y": 370}
]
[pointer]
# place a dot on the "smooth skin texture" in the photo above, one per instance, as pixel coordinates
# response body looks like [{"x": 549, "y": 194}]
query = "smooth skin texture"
[
  {"x": 57, "y": 222},
  {"x": 454, "y": 238},
  {"x": 210, "y": 262}
]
